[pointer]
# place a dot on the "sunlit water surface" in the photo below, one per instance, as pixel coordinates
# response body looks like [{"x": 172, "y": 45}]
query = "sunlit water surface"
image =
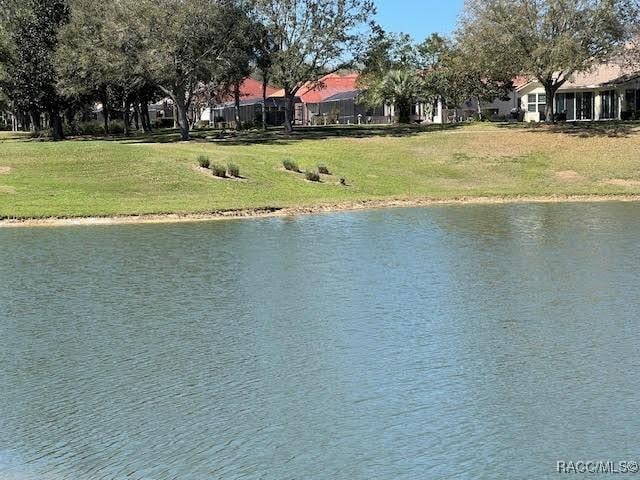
[{"x": 449, "y": 342}]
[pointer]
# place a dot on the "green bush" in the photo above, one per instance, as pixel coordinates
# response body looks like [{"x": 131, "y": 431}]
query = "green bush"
[
  {"x": 233, "y": 170},
  {"x": 91, "y": 128},
  {"x": 312, "y": 176},
  {"x": 219, "y": 170},
  {"x": 324, "y": 170},
  {"x": 290, "y": 165},
  {"x": 204, "y": 161}
]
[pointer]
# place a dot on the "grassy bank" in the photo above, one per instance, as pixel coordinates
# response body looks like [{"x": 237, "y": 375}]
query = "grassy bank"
[{"x": 157, "y": 175}]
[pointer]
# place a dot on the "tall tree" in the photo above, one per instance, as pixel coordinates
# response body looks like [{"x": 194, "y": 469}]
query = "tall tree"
[
  {"x": 186, "y": 43},
  {"x": 312, "y": 38},
  {"x": 549, "y": 40},
  {"x": 32, "y": 29},
  {"x": 265, "y": 50},
  {"x": 391, "y": 73},
  {"x": 450, "y": 75}
]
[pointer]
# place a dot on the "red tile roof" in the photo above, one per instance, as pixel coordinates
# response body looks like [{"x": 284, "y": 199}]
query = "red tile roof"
[
  {"x": 251, "y": 89},
  {"x": 328, "y": 86}
]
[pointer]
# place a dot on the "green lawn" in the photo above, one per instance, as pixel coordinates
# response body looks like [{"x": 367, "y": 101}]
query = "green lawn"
[{"x": 151, "y": 175}]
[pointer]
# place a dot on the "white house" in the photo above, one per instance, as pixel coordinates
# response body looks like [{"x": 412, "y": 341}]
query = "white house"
[
  {"x": 609, "y": 91},
  {"x": 498, "y": 109}
]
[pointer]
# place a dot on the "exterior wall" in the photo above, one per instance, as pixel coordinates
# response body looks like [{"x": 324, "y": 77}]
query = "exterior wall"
[
  {"x": 523, "y": 94},
  {"x": 623, "y": 105},
  {"x": 438, "y": 113},
  {"x": 498, "y": 108}
]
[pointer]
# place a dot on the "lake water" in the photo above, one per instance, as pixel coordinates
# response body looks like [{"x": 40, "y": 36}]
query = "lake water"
[{"x": 450, "y": 342}]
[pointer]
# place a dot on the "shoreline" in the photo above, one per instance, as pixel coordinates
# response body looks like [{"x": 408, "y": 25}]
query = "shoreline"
[{"x": 275, "y": 212}]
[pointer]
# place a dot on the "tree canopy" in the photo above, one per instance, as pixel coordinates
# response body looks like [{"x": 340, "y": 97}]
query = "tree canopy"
[{"x": 312, "y": 38}]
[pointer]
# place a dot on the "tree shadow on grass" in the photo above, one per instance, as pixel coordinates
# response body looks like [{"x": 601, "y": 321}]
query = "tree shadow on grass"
[
  {"x": 599, "y": 129},
  {"x": 280, "y": 137}
]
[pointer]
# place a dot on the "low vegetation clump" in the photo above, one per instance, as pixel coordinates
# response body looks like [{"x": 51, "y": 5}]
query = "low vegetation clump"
[
  {"x": 204, "y": 161},
  {"x": 290, "y": 165},
  {"x": 219, "y": 170},
  {"x": 312, "y": 176},
  {"x": 343, "y": 182},
  {"x": 233, "y": 170},
  {"x": 323, "y": 170}
]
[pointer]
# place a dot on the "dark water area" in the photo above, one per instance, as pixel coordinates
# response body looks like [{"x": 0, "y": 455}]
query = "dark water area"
[{"x": 446, "y": 342}]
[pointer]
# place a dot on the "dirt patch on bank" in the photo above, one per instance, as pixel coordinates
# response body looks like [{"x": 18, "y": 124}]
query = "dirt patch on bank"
[
  {"x": 306, "y": 210},
  {"x": 621, "y": 182},
  {"x": 568, "y": 176},
  {"x": 5, "y": 170}
]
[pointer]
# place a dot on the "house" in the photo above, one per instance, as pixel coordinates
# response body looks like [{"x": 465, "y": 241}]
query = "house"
[
  {"x": 335, "y": 98},
  {"x": 610, "y": 91},
  {"x": 346, "y": 108},
  {"x": 251, "y": 104},
  {"x": 161, "y": 113},
  {"x": 498, "y": 109}
]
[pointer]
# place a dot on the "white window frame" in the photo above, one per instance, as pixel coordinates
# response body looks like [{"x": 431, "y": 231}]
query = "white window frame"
[{"x": 538, "y": 106}]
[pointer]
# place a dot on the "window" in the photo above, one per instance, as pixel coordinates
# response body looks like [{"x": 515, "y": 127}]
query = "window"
[
  {"x": 609, "y": 104},
  {"x": 561, "y": 104},
  {"x": 536, "y": 102}
]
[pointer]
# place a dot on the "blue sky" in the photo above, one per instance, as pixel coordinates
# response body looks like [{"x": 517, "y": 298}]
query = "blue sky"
[{"x": 419, "y": 18}]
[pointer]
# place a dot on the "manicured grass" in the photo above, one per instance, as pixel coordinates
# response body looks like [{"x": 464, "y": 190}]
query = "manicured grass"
[{"x": 151, "y": 175}]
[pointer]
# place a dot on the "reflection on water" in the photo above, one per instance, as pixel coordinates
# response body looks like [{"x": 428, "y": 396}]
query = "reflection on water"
[{"x": 450, "y": 342}]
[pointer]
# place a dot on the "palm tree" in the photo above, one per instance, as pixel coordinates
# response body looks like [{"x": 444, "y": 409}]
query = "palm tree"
[{"x": 402, "y": 88}]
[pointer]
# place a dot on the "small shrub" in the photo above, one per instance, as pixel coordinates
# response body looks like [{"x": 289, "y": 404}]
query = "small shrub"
[
  {"x": 219, "y": 170},
  {"x": 116, "y": 127},
  {"x": 312, "y": 176},
  {"x": 91, "y": 128},
  {"x": 233, "y": 170},
  {"x": 324, "y": 170},
  {"x": 290, "y": 165},
  {"x": 204, "y": 161}
]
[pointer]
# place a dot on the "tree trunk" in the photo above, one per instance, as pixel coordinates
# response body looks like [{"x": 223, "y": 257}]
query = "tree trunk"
[
  {"x": 35, "y": 120},
  {"x": 145, "y": 112},
  {"x": 136, "y": 114},
  {"x": 289, "y": 111},
  {"x": 175, "y": 116},
  {"x": 550, "y": 90},
  {"x": 127, "y": 117},
  {"x": 236, "y": 110},
  {"x": 105, "y": 110},
  {"x": 404, "y": 113},
  {"x": 56, "y": 125},
  {"x": 70, "y": 115},
  {"x": 264, "y": 104},
  {"x": 144, "y": 115},
  {"x": 182, "y": 117}
]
